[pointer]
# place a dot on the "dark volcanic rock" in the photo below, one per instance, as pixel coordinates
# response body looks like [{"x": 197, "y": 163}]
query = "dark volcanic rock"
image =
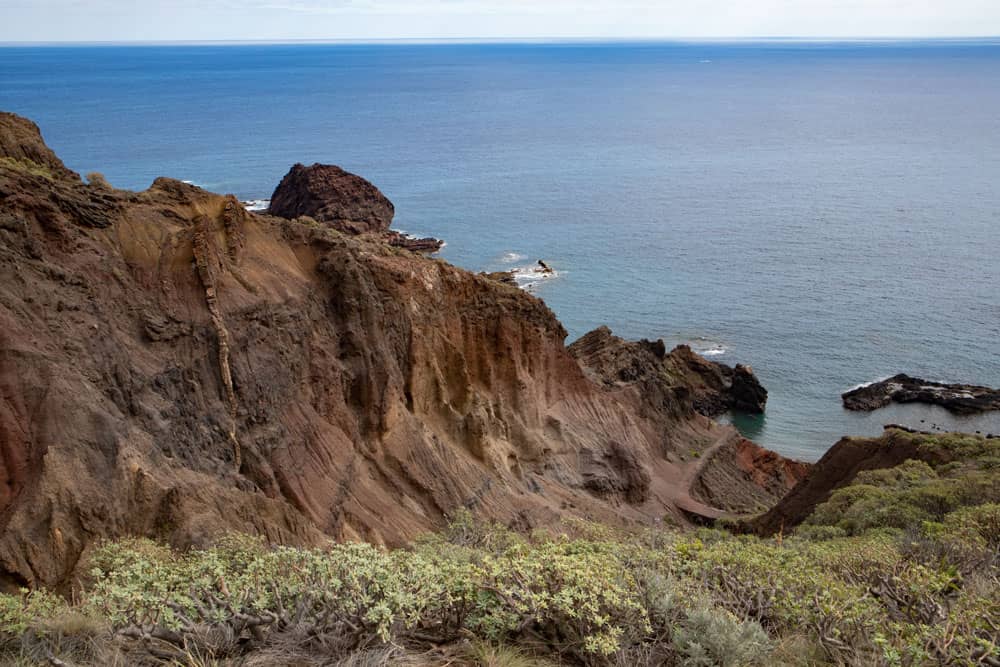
[
  {"x": 346, "y": 202},
  {"x": 711, "y": 387},
  {"x": 412, "y": 243},
  {"x": 962, "y": 399},
  {"x": 745, "y": 390},
  {"x": 329, "y": 194}
]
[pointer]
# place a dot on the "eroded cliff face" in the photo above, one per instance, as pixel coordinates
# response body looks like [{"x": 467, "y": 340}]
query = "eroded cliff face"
[
  {"x": 174, "y": 366},
  {"x": 731, "y": 473}
]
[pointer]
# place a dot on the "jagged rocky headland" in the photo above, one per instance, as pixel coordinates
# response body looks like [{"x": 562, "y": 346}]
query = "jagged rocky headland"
[{"x": 172, "y": 365}]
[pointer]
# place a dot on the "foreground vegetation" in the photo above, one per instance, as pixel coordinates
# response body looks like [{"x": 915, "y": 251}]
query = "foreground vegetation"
[{"x": 899, "y": 568}]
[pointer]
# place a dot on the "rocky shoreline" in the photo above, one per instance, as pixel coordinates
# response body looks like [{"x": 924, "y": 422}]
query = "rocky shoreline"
[
  {"x": 960, "y": 399},
  {"x": 712, "y": 387}
]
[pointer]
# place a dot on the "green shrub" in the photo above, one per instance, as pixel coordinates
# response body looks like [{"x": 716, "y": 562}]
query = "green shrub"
[
  {"x": 708, "y": 637},
  {"x": 19, "y": 612},
  {"x": 899, "y": 568},
  {"x": 915, "y": 493}
]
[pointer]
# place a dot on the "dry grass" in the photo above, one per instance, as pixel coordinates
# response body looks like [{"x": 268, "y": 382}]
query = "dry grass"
[
  {"x": 482, "y": 654},
  {"x": 27, "y": 166}
]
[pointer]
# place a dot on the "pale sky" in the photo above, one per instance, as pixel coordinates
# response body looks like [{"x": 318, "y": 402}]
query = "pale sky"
[{"x": 143, "y": 20}]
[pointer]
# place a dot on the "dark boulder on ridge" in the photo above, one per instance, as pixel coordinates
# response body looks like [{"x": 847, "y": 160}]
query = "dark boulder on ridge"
[
  {"x": 331, "y": 195},
  {"x": 962, "y": 399}
]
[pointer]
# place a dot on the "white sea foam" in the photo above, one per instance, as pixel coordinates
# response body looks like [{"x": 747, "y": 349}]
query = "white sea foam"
[
  {"x": 707, "y": 347},
  {"x": 511, "y": 257},
  {"x": 867, "y": 384},
  {"x": 257, "y": 204},
  {"x": 529, "y": 277}
]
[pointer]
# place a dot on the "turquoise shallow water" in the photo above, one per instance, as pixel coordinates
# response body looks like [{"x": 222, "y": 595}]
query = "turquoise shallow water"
[{"x": 828, "y": 213}]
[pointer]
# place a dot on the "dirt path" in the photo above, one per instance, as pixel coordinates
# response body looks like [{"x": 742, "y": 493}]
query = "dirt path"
[{"x": 682, "y": 497}]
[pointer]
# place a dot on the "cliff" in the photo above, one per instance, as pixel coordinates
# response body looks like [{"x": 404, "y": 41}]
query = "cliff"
[{"x": 174, "y": 366}]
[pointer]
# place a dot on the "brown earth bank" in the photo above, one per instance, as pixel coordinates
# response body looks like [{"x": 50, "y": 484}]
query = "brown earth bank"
[
  {"x": 174, "y": 366},
  {"x": 962, "y": 399},
  {"x": 838, "y": 468}
]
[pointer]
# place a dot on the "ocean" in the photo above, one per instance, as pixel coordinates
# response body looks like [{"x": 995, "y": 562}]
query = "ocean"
[{"x": 828, "y": 213}]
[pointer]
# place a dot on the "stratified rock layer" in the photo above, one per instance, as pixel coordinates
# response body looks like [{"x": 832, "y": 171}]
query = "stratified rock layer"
[
  {"x": 174, "y": 366},
  {"x": 962, "y": 399}
]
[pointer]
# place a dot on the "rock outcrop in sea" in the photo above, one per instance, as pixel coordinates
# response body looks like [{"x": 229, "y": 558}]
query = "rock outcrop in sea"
[
  {"x": 962, "y": 399},
  {"x": 174, "y": 366},
  {"x": 712, "y": 387}
]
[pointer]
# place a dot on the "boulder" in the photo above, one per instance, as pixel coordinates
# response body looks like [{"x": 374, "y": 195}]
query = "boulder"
[{"x": 333, "y": 196}]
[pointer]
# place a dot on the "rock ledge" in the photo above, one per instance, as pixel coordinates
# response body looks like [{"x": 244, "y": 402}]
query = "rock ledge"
[{"x": 962, "y": 399}]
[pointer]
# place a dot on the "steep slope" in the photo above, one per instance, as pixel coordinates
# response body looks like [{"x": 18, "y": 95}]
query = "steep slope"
[
  {"x": 732, "y": 473},
  {"x": 850, "y": 456},
  {"x": 172, "y": 365}
]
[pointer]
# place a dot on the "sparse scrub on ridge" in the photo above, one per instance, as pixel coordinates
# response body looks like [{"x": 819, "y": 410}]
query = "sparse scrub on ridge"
[
  {"x": 97, "y": 180},
  {"x": 27, "y": 166},
  {"x": 916, "y": 585}
]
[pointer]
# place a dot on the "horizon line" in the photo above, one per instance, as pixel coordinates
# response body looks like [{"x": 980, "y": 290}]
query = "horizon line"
[{"x": 803, "y": 39}]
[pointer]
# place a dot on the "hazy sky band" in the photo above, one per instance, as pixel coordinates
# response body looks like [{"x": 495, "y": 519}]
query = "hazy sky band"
[{"x": 126, "y": 20}]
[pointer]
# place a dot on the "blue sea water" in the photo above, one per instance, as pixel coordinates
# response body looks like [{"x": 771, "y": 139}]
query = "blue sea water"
[{"x": 826, "y": 212}]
